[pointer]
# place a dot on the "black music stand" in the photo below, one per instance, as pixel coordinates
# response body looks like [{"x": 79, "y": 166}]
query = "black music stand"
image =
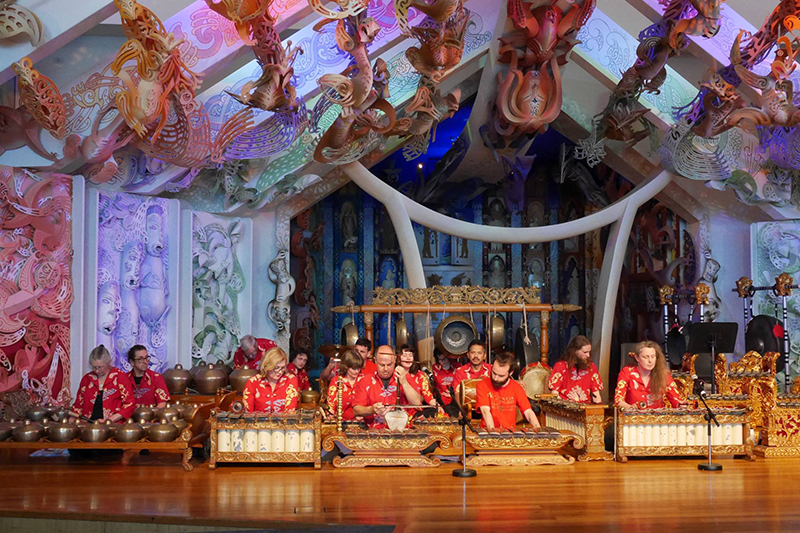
[
  {"x": 713, "y": 338},
  {"x": 464, "y": 421}
]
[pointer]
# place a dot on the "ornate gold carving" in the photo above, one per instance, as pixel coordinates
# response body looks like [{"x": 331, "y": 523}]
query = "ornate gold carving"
[
  {"x": 445, "y": 295},
  {"x": 354, "y": 461},
  {"x": 266, "y": 457},
  {"x": 783, "y": 285},
  {"x": 589, "y": 417},
  {"x": 519, "y": 460},
  {"x": 665, "y": 294},
  {"x": 743, "y": 286},
  {"x": 701, "y": 292},
  {"x": 41, "y": 98}
]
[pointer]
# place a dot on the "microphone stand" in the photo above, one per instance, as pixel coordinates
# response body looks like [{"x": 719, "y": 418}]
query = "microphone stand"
[
  {"x": 713, "y": 369},
  {"x": 709, "y": 416},
  {"x": 464, "y": 421}
]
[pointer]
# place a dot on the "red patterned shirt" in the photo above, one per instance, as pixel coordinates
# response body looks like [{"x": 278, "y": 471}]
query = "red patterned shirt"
[
  {"x": 117, "y": 395},
  {"x": 632, "y": 390},
  {"x": 348, "y": 396},
  {"x": 370, "y": 367},
  {"x": 465, "y": 372},
  {"x": 239, "y": 359},
  {"x": 444, "y": 379},
  {"x": 260, "y": 396},
  {"x": 152, "y": 390},
  {"x": 302, "y": 376},
  {"x": 502, "y": 402},
  {"x": 370, "y": 391},
  {"x": 573, "y": 384}
]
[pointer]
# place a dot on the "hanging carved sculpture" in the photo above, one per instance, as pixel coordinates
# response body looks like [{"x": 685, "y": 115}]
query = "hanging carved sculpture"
[
  {"x": 529, "y": 93},
  {"x": 16, "y": 20},
  {"x": 361, "y": 91},
  {"x": 441, "y": 46},
  {"x": 279, "y": 308},
  {"x": 720, "y": 100},
  {"x": 36, "y": 283},
  {"x": 41, "y": 98}
]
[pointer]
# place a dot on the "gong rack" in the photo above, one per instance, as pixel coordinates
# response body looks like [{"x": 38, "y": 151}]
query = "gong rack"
[
  {"x": 462, "y": 299},
  {"x": 668, "y": 297},
  {"x": 784, "y": 283}
]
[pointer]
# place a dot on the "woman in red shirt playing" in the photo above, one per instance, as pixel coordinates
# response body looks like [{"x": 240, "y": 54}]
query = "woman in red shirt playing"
[
  {"x": 349, "y": 375},
  {"x": 272, "y": 389},
  {"x": 299, "y": 367},
  {"x": 407, "y": 363},
  {"x": 575, "y": 376},
  {"x": 105, "y": 392},
  {"x": 648, "y": 383}
]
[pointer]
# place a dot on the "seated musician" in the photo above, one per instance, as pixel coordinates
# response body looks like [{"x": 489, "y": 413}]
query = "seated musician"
[
  {"x": 299, "y": 367},
  {"x": 251, "y": 351},
  {"x": 477, "y": 366},
  {"x": 575, "y": 376},
  {"x": 105, "y": 392},
  {"x": 376, "y": 393},
  {"x": 646, "y": 384},
  {"x": 407, "y": 360},
  {"x": 149, "y": 388},
  {"x": 349, "y": 375},
  {"x": 363, "y": 348},
  {"x": 443, "y": 375},
  {"x": 272, "y": 389},
  {"x": 498, "y": 397}
]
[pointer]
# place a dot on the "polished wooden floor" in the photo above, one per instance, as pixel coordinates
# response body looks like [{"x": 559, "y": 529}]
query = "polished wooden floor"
[{"x": 642, "y": 495}]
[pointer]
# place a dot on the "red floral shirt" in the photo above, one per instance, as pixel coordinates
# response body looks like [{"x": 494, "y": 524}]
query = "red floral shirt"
[
  {"x": 369, "y": 367},
  {"x": 370, "y": 391},
  {"x": 632, "y": 390},
  {"x": 302, "y": 377},
  {"x": 573, "y": 384},
  {"x": 117, "y": 395},
  {"x": 151, "y": 391},
  {"x": 260, "y": 396},
  {"x": 239, "y": 359},
  {"x": 348, "y": 396},
  {"x": 444, "y": 379},
  {"x": 465, "y": 372}
]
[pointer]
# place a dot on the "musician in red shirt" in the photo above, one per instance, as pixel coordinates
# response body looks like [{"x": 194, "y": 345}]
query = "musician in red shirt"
[
  {"x": 376, "y": 393},
  {"x": 251, "y": 351},
  {"x": 149, "y": 387},
  {"x": 299, "y": 367},
  {"x": 407, "y": 360},
  {"x": 575, "y": 376},
  {"x": 443, "y": 375},
  {"x": 477, "y": 366},
  {"x": 648, "y": 383},
  {"x": 105, "y": 392},
  {"x": 363, "y": 347},
  {"x": 272, "y": 389},
  {"x": 349, "y": 376},
  {"x": 499, "y": 396}
]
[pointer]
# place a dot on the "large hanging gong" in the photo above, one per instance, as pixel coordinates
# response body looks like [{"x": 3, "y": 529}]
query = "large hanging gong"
[
  {"x": 525, "y": 353},
  {"x": 760, "y": 337},
  {"x": 349, "y": 335},
  {"x": 454, "y": 333},
  {"x": 401, "y": 335},
  {"x": 497, "y": 334}
]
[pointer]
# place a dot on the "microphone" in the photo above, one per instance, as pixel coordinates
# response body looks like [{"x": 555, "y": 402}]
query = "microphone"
[{"x": 699, "y": 386}]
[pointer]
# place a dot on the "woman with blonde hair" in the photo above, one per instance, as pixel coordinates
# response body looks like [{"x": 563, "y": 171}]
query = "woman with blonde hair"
[
  {"x": 648, "y": 383},
  {"x": 105, "y": 393},
  {"x": 272, "y": 389}
]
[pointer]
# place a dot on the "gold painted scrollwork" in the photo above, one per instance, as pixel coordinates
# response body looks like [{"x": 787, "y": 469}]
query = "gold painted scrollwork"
[{"x": 456, "y": 295}]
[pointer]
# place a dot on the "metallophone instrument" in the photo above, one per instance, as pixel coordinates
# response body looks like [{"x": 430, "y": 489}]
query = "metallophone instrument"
[
  {"x": 385, "y": 447},
  {"x": 523, "y": 446},
  {"x": 292, "y": 437},
  {"x": 586, "y": 420},
  {"x": 680, "y": 432}
]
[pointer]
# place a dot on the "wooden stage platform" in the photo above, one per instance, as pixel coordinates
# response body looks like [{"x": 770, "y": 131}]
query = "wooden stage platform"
[{"x": 642, "y": 495}]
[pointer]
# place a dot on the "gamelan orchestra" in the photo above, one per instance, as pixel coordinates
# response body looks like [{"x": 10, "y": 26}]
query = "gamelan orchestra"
[{"x": 460, "y": 396}]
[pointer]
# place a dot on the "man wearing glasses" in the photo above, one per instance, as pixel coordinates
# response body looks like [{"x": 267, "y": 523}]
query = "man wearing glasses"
[{"x": 149, "y": 388}]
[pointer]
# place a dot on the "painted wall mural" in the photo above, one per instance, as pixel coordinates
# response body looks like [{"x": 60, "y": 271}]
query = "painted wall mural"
[
  {"x": 132, "y": 265},
  {"x": 217, "y": 281},
  {"x": 775, "y": 250},
  {"x": 35, "y": 283}
]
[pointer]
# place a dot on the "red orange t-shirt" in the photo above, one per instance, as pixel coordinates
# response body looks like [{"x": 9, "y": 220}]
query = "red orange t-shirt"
[{"x": 503, "y": 402}]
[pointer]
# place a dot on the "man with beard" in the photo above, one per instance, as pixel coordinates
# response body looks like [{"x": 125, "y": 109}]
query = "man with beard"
[
  {"x": 498, "y": 397},
  {"x": 575, "y": 376}
]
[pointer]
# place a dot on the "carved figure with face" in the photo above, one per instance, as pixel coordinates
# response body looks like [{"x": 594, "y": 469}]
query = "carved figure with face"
[{"x": 108, "y": 307}]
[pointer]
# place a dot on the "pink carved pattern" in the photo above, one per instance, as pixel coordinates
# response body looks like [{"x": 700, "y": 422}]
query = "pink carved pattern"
[{"x": 36, "y": 285}]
